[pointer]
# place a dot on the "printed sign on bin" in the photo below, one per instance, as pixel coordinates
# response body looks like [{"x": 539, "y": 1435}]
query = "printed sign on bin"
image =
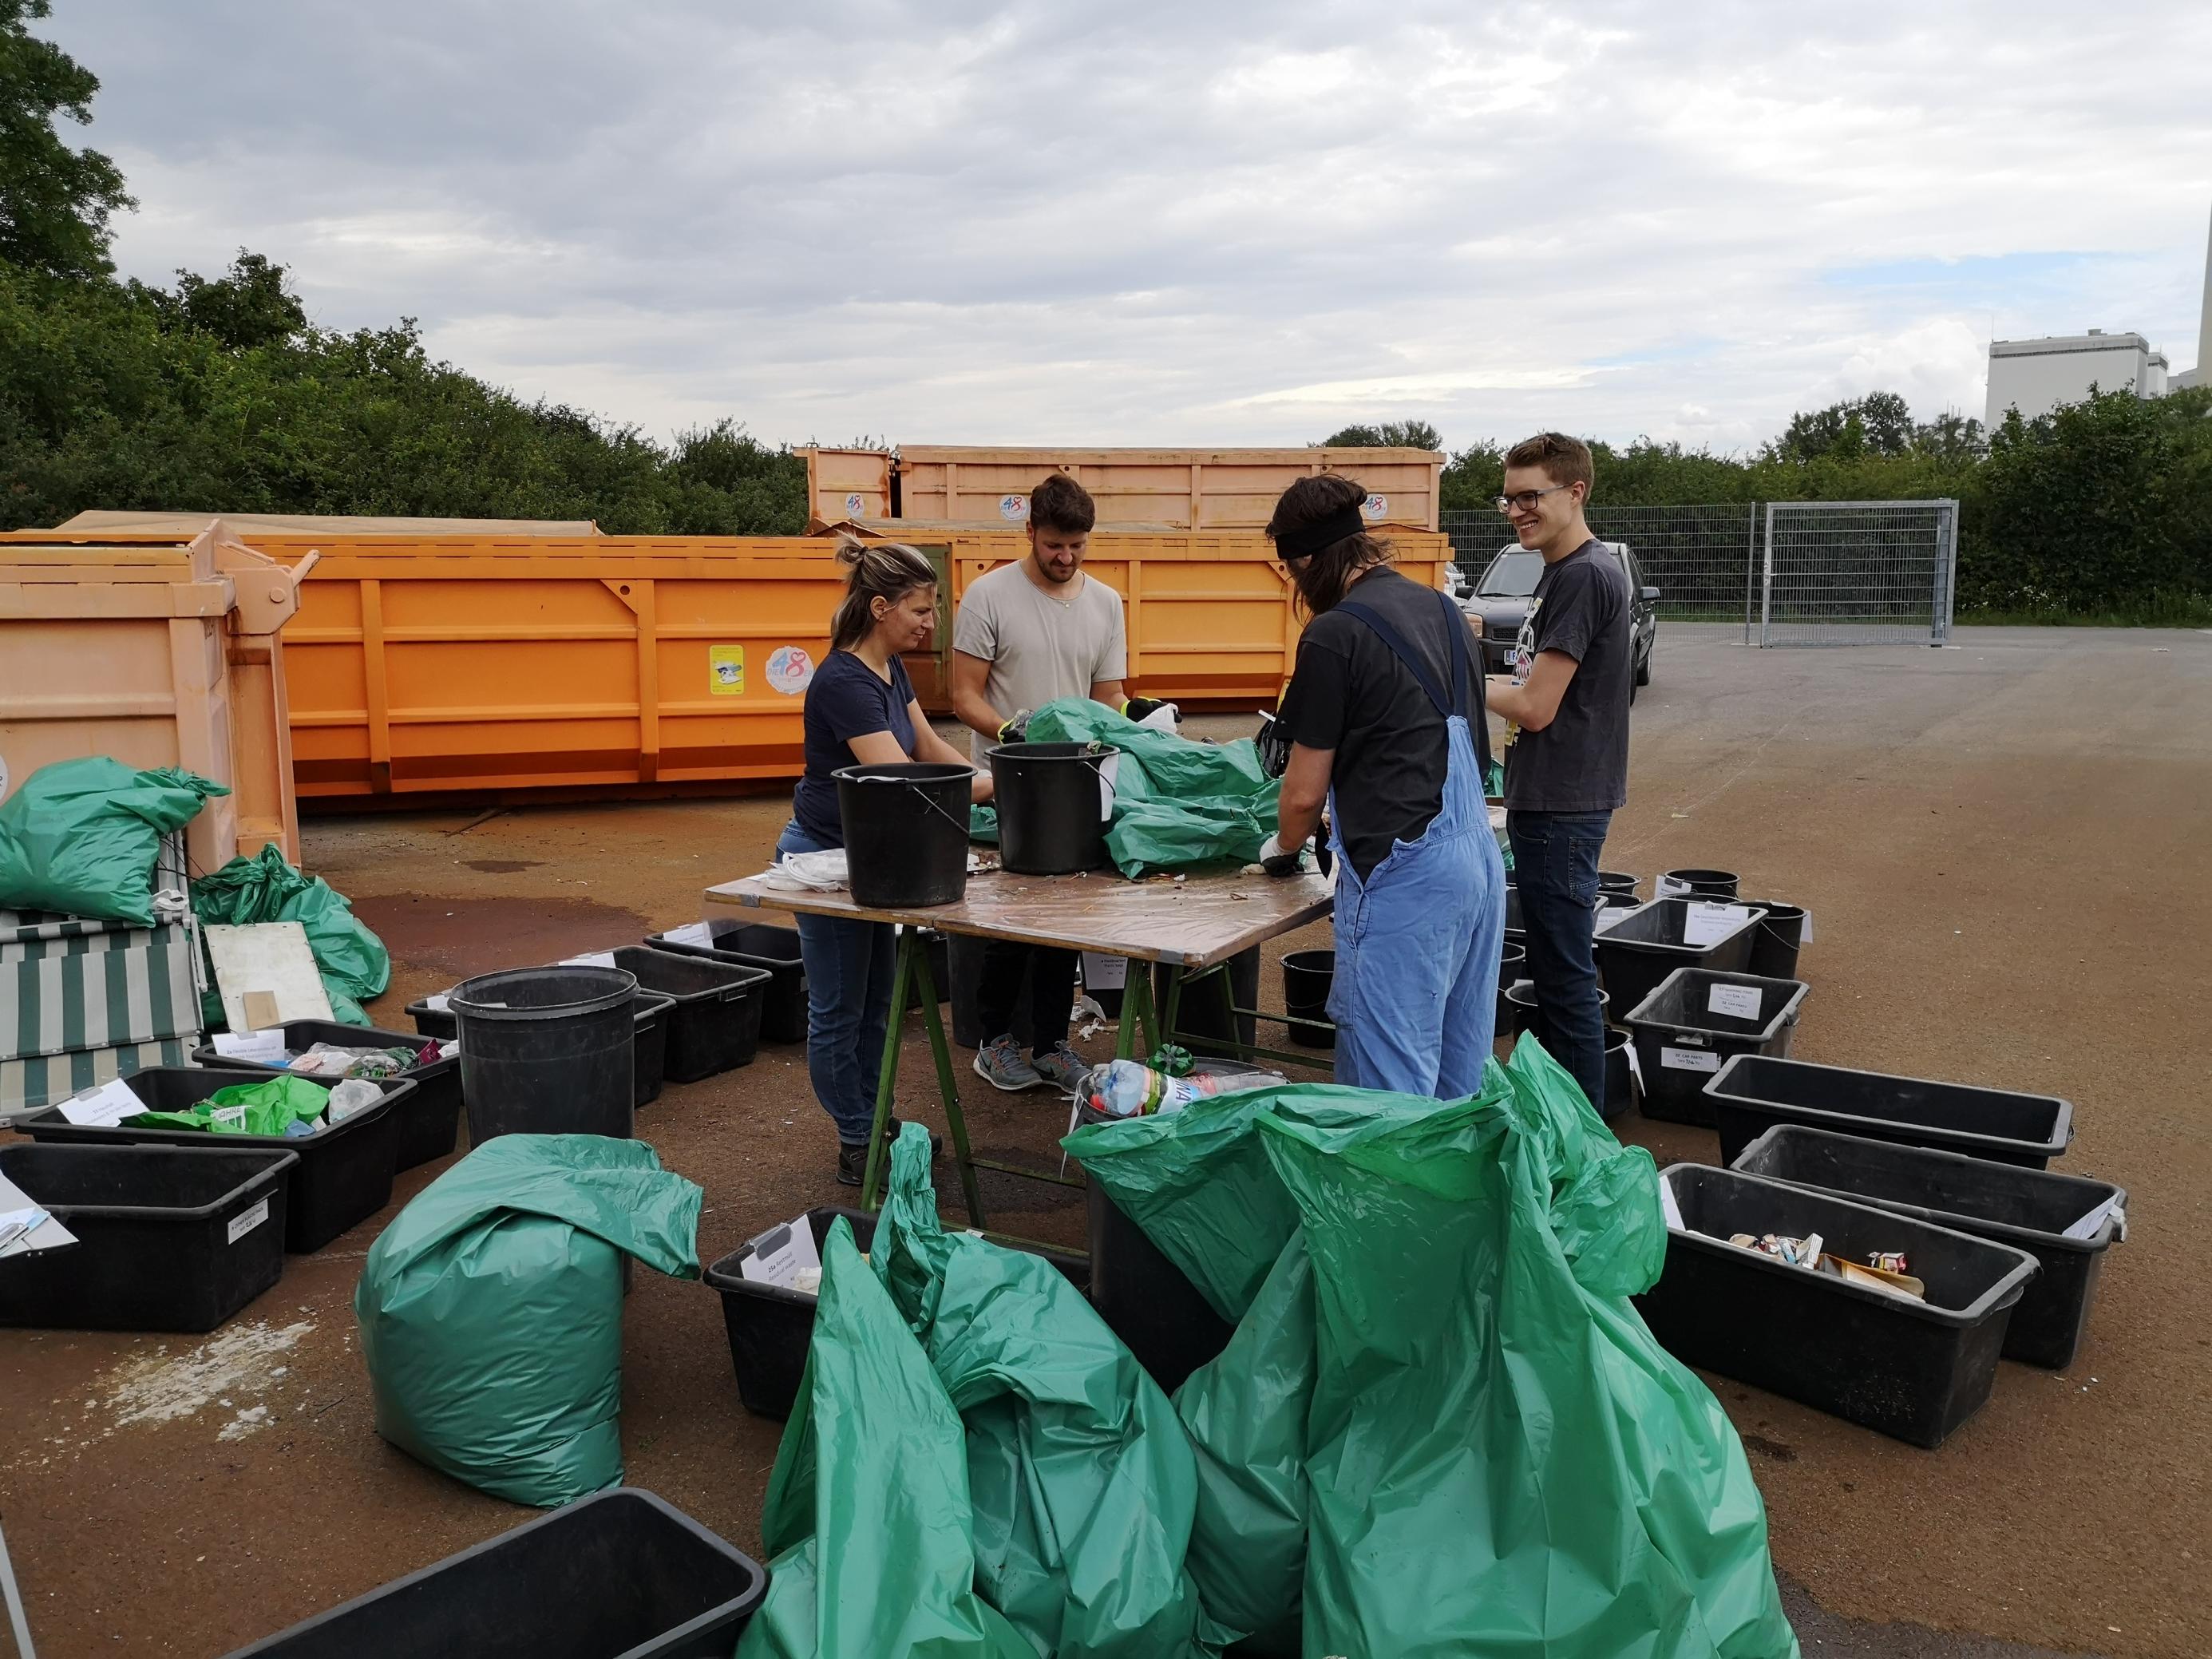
[
  {"x": 726, "y": 670},
  {"x": 790, "y": 670}
]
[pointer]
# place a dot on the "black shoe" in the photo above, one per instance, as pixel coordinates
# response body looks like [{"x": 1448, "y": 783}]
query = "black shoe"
[{"x": 853, "y": 1155}]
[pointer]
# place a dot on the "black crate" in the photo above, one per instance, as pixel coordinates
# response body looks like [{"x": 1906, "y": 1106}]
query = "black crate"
[
  {"x": 770, "y": 1329},
  {"x": 765, "y": 945},
  {"x": 648, "y": 1055},
  {"x": 620, "y": 1575},
  {"x": 169, "y": 1238},
  {"x": 1753, "y": 1093},
  {"x": 1914, "y": 1369},
  {"x": 1646, "y": 945},
  {"x": 429, "y": 1123},
  {"x": 715, "y": 1024},
  {"x": 1682, "y": 1041},
  {"x": 2031, "y": 1209},
  {"x": 344, "y": 1176}
]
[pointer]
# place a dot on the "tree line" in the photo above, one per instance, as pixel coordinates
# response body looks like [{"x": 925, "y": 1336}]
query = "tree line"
[{"x": 218, "y": 394}]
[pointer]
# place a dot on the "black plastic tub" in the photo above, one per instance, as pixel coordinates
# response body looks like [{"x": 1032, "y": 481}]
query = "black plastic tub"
[
  {"x": 770, "y": 1329},
  {"x": 1694, "y": 1023},
  {"x": 648, "y": 1053},
  {"x": 344, "y": 1176},
  {"x": 429, "y": 1123},
  {"x": 1620, "y": 1091},
  {"x": 906, "y": 833},
  {"x": 2031, "y": 1209},
  {"x": 1053, "y": 808},
  {"x": 1781, "y": 935},
  {"x": 714, "y": 1026},
  {"x": 1752, "y": 1094},
  {"x": 548, "y": 1051},
  {"x": 1203, "y": 1025},
  {"x": 1519, "y": 999},
  {"x": 1914, "y": 1369},
  {"x": 1308, "y": 977},
  {"x": 168, "y": 1238},
  {"x": 1648, "y": 943},
  {"x": 1696, "y": 884},
  {"x": 758, "y": 944},
  {"x": 619, "y": 1575}
]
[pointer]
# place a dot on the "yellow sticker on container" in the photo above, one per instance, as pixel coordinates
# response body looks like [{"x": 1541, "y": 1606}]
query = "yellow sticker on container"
[{"x": 726, "y": 670}]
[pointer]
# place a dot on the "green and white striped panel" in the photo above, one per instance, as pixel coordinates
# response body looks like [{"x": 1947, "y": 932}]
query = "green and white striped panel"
[
  {"x": 101, "y": 997},
  {"x": 42, "y": 1079},
  {"x": 29, "y": 935}
]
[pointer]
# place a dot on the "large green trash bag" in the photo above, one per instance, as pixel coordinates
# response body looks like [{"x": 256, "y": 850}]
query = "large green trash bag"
[
  {"x": 1082, "y": 1484},
  {"x": 354, "y": 964},
  {"x": 80, "y": 836},
  {"x": 490, "y": 1310},
  {"x": 1502, "y": 1460},
  {"x": 1176, "y": 802},
  {"x": 270, "y": 1108},
  {"x": 872, "y": 1479}
]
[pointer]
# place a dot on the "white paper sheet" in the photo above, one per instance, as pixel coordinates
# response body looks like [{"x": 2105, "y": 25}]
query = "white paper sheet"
[
  {"x": 2088, "y": 1225},
  {"x": 1689, "y": 1059},
  {"x": 104, "y": 1107},
  {"x": 692, "y": 932},
  {"x": 782, "y": 1254},
  {"x": 1709, "y": 924},
  {"x": 1668, "y": 1208},
  {"x": 1736, "y": 1001},
  {"x": 590, "y": 959},
  {"x": 267, "y": 1045}
]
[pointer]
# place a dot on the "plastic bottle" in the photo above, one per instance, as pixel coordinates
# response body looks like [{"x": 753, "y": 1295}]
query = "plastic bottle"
[{"x": 1128, "y": 1088}]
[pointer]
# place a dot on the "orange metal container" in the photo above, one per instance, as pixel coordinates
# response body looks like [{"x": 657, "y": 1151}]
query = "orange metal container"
[
  {"x": 848, "y": 483},
  {"x": 158, "y": 648}
]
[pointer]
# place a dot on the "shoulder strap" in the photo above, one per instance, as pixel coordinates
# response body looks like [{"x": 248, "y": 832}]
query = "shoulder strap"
[{"x": 1455, "y": 627}]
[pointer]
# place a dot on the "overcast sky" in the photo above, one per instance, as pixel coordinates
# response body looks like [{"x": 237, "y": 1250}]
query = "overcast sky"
[{"x": 1181, "y": 223}]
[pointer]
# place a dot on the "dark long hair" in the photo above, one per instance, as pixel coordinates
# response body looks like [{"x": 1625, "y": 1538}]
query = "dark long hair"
[
  {"x": 879, "y": 570},
  {"x": 1322, "y": 578}
]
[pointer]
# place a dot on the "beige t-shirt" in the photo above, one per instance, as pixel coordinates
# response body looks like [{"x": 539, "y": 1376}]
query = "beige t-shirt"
[{"x": 1039, "y": 647}]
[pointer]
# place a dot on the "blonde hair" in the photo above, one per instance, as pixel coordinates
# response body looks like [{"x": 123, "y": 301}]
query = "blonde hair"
[{"x": 878, "y": 570}]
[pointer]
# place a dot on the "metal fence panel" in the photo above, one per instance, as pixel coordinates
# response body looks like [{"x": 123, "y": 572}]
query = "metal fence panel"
[
  {"x": 1702, "y": 558},
  {"x": 1858, "y": 573}
]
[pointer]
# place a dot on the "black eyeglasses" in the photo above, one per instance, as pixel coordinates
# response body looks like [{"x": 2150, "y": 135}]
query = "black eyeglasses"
[{"x": 1525, "y": 498}]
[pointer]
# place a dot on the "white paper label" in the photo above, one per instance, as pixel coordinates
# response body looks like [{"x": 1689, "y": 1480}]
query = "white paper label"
[
  {"x": 1636, "y": 1066},
  {"x": 1375, "y": 506},
  {"x": 104, "y": 1107},
  {"x": 790, "y": 670},
  {"x": 1736, "y": 1001},
  {"x": 252, "y": 1045},
  {"x": 1668, "y": 1208},
  {"x": 1101, "y": 972},
  {"x": 1709, "y": 924},
  {"x": 247, "y": 1220},
  {"x": 1689, "y": 1059},
  {"x": 1108, "y": 770},
  {"x": 590, "y": 959},
  {"x": 781, "y": 1254},
  {"x": 2088, "y": 1225},
  {"x": 692, "y": 932},
  {"x": 442, "y": 1003},
  {"x": 1609, "y": 913}
]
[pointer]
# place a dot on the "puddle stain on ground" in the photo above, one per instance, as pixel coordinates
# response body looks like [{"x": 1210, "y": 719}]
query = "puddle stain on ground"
[
  {"x": 162, "y": 1387},
  {"x": 463, "y": 937},
  {"x": 503, "y": 866}
]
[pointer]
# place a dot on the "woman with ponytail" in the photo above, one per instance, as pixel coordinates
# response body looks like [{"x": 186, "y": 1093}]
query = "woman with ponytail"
[{"x": 860, "y": 711}]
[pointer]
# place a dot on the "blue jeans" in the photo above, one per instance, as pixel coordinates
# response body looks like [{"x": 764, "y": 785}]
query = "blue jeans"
[
  {"x": 849, "y": 965},
  {"x": 1555, "y": 859}
]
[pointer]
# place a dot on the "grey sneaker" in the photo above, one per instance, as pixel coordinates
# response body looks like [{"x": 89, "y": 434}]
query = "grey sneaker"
[
  {"x": 1000, "y": 1063},
  {"x": 1059, "y": 1065}
]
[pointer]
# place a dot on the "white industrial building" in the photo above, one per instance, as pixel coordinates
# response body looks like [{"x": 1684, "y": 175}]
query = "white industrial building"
[{"x": 2036, "y": 376}]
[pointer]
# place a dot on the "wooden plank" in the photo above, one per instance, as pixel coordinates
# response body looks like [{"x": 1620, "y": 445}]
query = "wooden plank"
[{"x": 1203, "y": 918}]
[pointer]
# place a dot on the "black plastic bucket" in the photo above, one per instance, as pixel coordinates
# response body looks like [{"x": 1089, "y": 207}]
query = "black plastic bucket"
[
  {"x": 964, "y": 958},
  {"x": 1202, "y": 1024},
  {"x": 2031, "y": 1209},
  {"x": 1519, "y": 999},
  {"x": 1307, "y": 977},
  {"x": 1781, "y": 932},
  {"x": 1696, "y": 884},
  {"x": 1619, "y": 1076},
  {"x": 906, "y": 833},
  {"x": 1615, "y": 881},
  {"x": 548, "y": 1051},
  {"x": 1051, "y": 806}
]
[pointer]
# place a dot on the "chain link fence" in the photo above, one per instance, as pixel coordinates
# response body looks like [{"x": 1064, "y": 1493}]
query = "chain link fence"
[{"x": 1789, "y": 573}]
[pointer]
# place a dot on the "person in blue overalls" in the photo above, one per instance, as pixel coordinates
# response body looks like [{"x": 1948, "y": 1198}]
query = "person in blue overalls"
[{"x": 1385, "y": 718}]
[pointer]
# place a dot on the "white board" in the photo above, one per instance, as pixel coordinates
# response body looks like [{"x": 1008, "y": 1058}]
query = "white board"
[{"x": 271, "y": 956}]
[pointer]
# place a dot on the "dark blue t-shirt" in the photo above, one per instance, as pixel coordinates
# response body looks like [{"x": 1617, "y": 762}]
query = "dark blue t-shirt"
[{"x": 844, "y": 701}]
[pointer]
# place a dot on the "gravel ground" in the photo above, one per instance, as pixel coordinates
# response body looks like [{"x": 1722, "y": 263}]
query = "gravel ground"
[{"x": 2007, "y": 848}]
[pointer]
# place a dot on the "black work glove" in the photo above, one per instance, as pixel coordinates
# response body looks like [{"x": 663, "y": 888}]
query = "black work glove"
[
  {"x": 1278, "y": 860},
  {"x": 1138, "y": 707},
  {"x": 1017, "y": 729}
]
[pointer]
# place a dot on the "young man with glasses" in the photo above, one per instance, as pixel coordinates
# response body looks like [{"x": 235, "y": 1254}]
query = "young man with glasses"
[{"x": 1565, "y": 705}]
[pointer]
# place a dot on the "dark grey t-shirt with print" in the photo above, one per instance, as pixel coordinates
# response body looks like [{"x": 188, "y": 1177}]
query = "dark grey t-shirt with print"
[{"x": 1579, "y": 762}]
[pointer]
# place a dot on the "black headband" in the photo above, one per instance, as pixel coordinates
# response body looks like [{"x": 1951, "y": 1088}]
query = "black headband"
[{"x": 1307, "y": 539}]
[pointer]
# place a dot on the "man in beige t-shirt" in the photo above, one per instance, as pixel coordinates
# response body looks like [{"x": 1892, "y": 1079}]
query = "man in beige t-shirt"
[{"x": 1028, "y": 633}]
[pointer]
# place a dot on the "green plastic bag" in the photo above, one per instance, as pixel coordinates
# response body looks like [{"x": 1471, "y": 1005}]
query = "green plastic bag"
[
  {"x": 490, "y": 1310},
  {"x": 246, "y": 1109},
  {"x": 352, "y": 961},
  {"x": 872, "y": 1475},
  {"x": 1082, "y": 1484},
  {"x": 80, "y": 836},
  {"x": 1176, "y": 803}
]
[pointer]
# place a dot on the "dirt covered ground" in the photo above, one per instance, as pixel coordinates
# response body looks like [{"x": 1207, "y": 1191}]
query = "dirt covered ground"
[{"x": 2007, "y": 848}]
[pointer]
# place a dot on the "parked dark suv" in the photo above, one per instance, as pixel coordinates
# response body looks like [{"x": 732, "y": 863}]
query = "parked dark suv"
[{"x": 1499, "y": 604}]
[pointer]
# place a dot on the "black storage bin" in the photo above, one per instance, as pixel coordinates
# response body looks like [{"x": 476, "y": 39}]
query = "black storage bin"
[
  {"x": 1753, "y": 1093},
  {"x": 1909, "y": 1369},
  {"x": 1615, "y": 881},
  {"x": 168, "y": 1238},
  {"x": 770, "y": 1329},
  {"x": 715, "y": 1024},
  {"x": 1645, "y": 945},
  {"x": 1682, "y": 1041},
  {"x": 619, "y": 1575},
  {"x": 429, "y": 1123},
  {"x": 2031, "y": 1209},
  {"x": 344, "y": 1176},
  {"x": 758, "y": 944},
  {"x": 648, "y": 1055},
  {"x": 1781, "y": 934},
  {"x": 1203, "y": 1025},
  {"x": 434, "y": 1021}
]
